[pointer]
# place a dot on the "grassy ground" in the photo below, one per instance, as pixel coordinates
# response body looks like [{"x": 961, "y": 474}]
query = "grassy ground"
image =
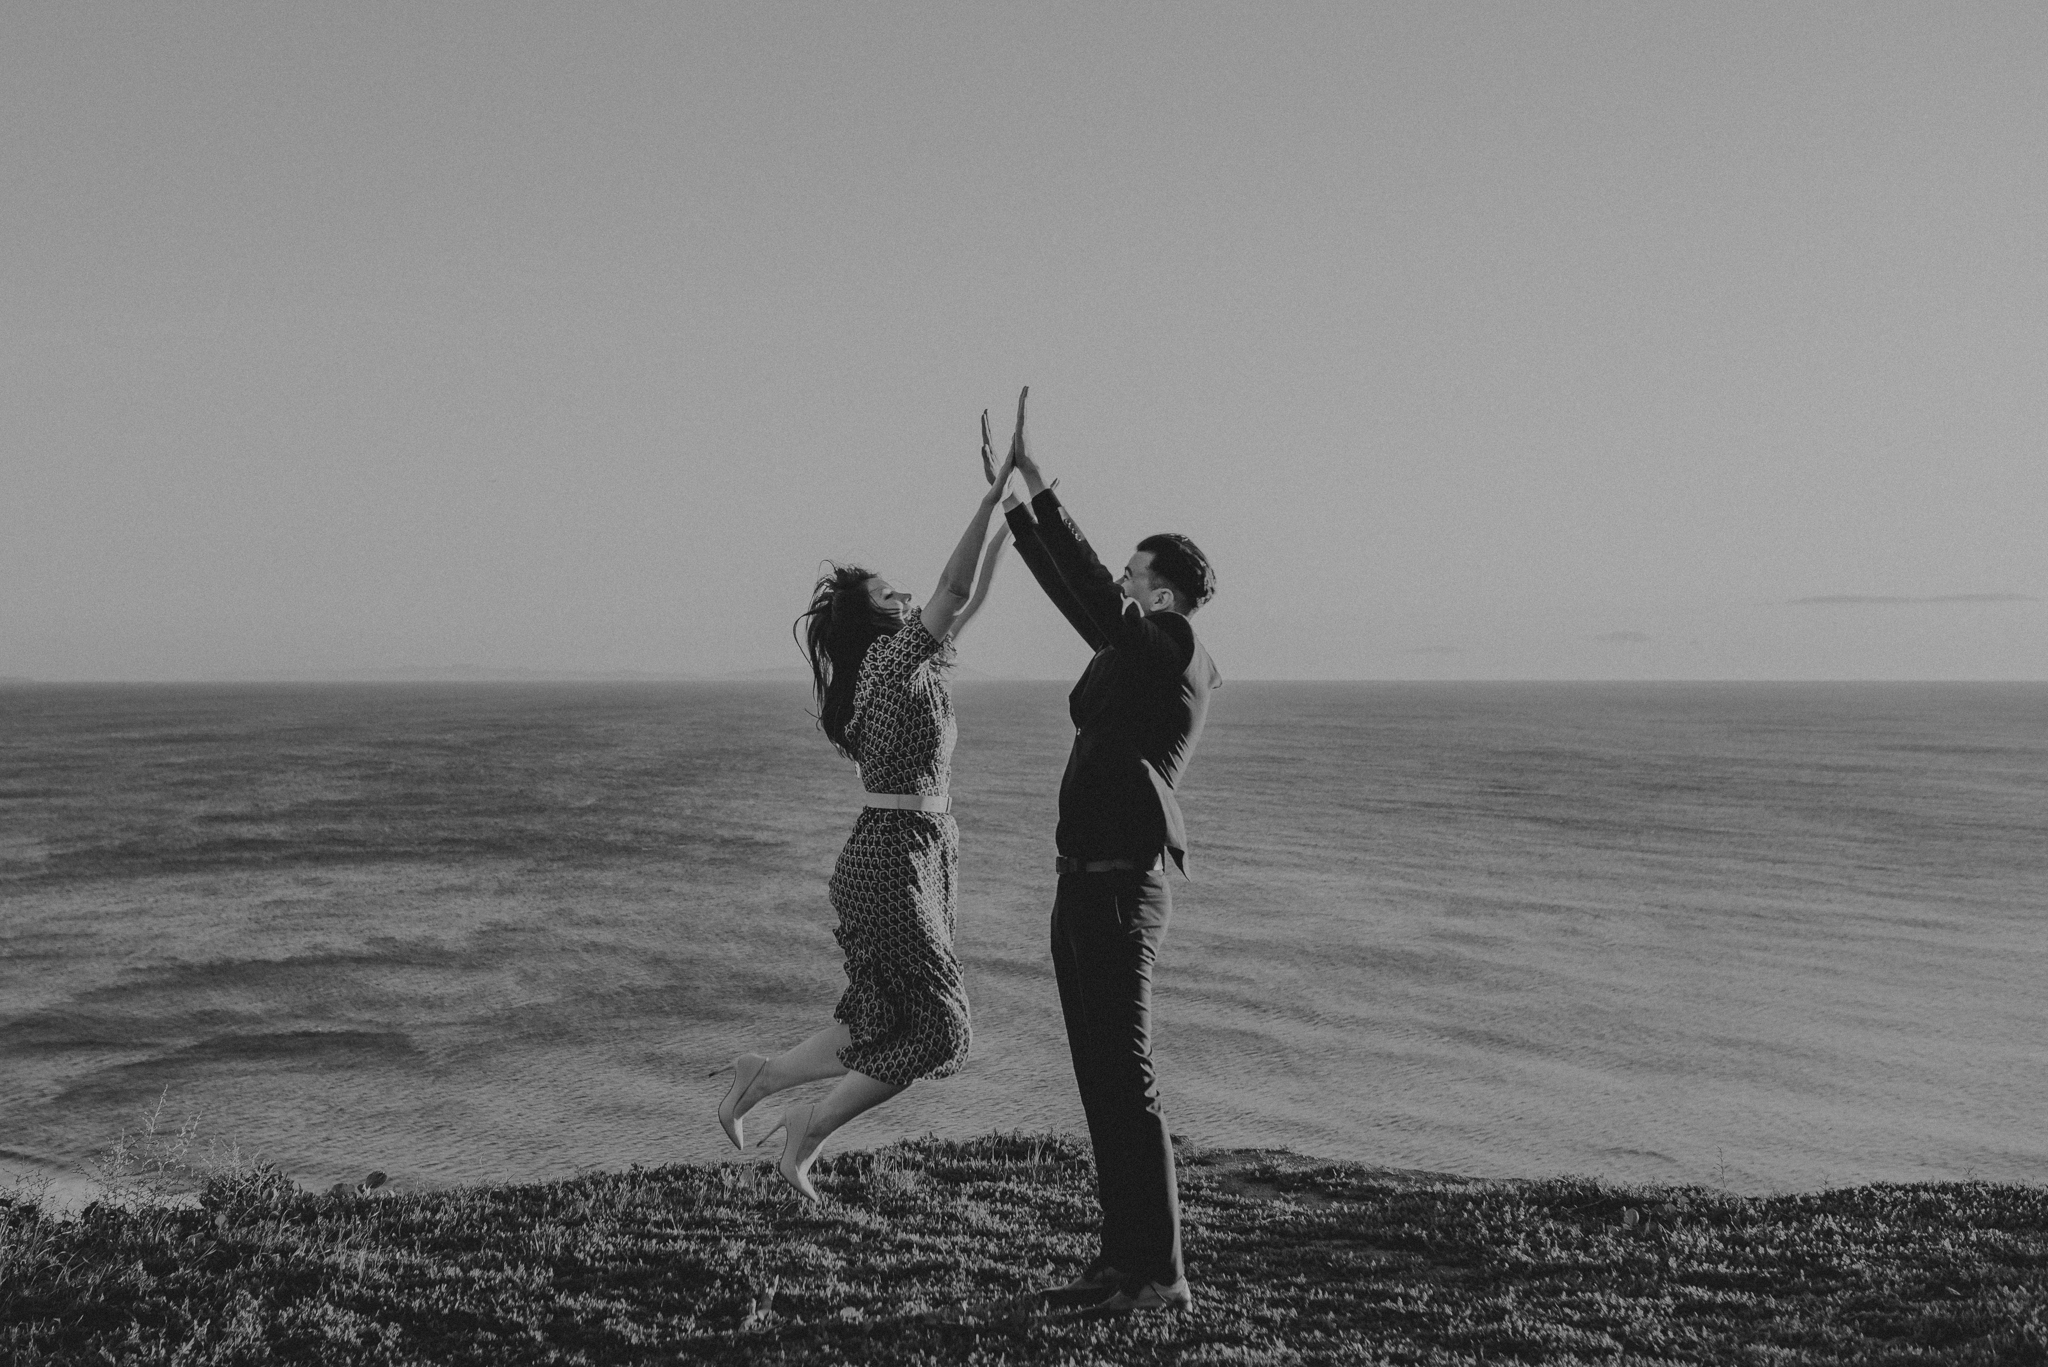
[{"x": 926, "y": 1252}]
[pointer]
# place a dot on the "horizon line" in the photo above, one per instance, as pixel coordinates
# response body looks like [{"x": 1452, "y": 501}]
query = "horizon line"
[{"x": 777, "y": 676}]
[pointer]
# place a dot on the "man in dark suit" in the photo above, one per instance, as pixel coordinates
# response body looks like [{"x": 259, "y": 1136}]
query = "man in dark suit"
[{"x": 1137, "y": 713}]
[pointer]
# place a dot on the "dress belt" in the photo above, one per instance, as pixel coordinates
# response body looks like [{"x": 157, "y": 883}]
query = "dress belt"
[
  {"x": 1062, "y": 864},
  {"x": 910, "y": 802}
]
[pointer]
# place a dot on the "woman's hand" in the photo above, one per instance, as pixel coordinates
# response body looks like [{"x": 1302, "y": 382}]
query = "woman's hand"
[{"x": 998, "y": 476}]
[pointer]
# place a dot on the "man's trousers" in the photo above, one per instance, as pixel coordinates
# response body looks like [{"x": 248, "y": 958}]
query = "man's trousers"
[{"x": 1106, "y": 933}]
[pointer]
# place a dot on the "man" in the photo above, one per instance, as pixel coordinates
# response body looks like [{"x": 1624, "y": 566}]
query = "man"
[{"x": 1137, "y": 714}]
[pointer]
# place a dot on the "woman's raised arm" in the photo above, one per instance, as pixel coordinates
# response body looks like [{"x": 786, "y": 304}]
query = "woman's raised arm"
[
  {"x": 954, "y": 600},
  {"x": 990, "y": 558}
]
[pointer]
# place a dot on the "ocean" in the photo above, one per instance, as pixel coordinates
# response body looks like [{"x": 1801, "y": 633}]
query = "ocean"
[{"x": 1761, "y": 937}]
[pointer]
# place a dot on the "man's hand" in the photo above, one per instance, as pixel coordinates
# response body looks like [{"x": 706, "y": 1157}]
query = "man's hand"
[{"x": 1020, "y": 453}]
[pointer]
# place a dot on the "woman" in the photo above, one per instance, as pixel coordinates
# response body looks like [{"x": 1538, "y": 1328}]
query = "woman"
[{"x": 878, "y": 664}]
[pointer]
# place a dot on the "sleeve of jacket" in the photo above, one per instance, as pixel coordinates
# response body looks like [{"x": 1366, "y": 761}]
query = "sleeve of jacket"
[
  {"x": 1093, "y": 589},
  {"x": 1024, "y": 530}
]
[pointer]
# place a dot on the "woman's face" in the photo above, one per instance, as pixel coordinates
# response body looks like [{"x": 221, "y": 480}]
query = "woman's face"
[{"x": 888, "y": 599}]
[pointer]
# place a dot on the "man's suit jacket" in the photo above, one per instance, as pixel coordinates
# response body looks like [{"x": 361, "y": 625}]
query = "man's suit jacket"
[{"x": 1138, "y": 709}]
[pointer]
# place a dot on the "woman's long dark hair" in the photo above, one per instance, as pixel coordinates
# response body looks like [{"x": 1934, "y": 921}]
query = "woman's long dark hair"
[{"x": 835, "y": 632}]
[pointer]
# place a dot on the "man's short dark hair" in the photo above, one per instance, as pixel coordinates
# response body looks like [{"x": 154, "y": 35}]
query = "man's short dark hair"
[{"x": 1182, "y": 565}]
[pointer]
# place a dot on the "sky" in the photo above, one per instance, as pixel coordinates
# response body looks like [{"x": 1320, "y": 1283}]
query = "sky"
[{"x": 1503, "y": 341}]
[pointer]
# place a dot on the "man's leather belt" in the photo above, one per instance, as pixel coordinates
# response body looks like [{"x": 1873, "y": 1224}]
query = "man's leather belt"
[
  {"x": 1062, "y": 864},
  {"x": 910, "y": 802}
]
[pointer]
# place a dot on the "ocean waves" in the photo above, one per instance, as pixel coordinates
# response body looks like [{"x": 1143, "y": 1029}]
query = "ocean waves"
[{"x": 1762, "y": 936}]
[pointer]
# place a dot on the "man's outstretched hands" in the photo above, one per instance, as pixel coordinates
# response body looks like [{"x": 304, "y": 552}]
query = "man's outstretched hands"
[{"x": 1020, "y": 452}]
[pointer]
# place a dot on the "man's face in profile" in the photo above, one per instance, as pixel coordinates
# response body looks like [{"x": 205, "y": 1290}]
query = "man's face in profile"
[{"x": 1139, "y": 585}]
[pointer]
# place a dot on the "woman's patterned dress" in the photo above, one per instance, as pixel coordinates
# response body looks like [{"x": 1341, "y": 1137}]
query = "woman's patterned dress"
[{"x": 894, "y": 885}]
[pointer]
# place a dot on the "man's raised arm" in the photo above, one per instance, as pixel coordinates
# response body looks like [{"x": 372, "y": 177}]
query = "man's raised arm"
[
  {"x": 1031, "y": 547},
  {"x": 1090, "y": 587}
]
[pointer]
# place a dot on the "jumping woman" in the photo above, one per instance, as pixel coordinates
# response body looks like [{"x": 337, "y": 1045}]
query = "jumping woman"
[{"x": 878, "y": 665}]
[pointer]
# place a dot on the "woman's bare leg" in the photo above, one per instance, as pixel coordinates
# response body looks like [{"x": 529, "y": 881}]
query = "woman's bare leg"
[
  {"x": 806, "y": 1127},
  {"x": 854, "y": 1093},
  {"x": 815, "y": 1058}
]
